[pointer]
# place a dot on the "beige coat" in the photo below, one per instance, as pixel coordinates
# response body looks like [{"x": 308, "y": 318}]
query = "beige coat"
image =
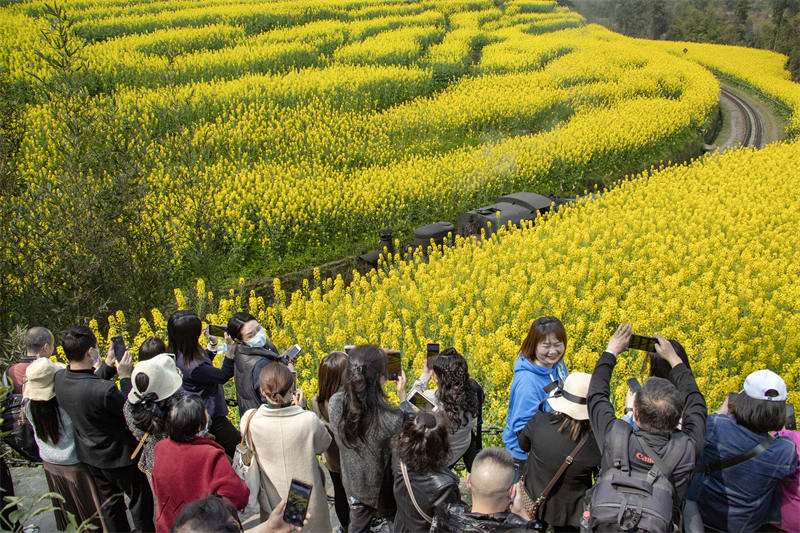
[{"x": 287, "y": 442}]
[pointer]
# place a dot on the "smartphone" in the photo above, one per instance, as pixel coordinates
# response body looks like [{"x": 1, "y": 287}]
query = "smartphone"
[
  {"x": 393, "y": 364},
  {"x": 433, "y": 352},
  {"x": 634, "y": 385},
  {"x": 291, "y": 355},
  {"x": 640, "y": 342},
  {"x": 217, "y": 330},
  {"x": 297, "y": 503},
  {"x": 791, "y": 421},
  {"x": 349, "y": 348},
  {"x": 516, "y": 471},
  {"x": 119, "y": 346},
  {"x": 419, "y": 401}
]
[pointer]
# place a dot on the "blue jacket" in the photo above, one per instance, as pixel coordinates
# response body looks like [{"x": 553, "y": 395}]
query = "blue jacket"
[
  {"x": 527, "y": 392},
  {"x": 742, "y": 497}
]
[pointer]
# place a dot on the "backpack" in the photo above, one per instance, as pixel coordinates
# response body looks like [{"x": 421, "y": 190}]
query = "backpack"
[
  {"x": 16, "y": 430},
  {"x": 628, "y": 497}
]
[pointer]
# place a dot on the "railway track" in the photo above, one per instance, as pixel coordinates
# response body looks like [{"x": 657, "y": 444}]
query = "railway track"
[{"x": 752, "y": 133}]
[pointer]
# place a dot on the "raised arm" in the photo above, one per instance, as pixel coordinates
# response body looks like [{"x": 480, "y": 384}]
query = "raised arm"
[{"x": 601, "y": 411}]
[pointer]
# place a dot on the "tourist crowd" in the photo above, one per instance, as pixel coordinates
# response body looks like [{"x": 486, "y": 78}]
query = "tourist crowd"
[{"x": 159, "y": 445}]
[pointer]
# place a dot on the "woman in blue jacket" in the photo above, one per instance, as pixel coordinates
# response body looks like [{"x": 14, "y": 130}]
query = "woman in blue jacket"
[{"x": 540, "y": 362}]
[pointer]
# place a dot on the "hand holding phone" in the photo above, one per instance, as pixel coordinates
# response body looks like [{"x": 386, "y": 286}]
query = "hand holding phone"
[
  {"x": 119, "y": 346},
  {"x": 634, "y": 385},
  {"x": 216, "y": 330},
  {"x": 432, "y": 354},
  {"x": 640, "y": 342},
  {"x": 393, "y": 364},
  {"x": 419, "y": 401},
  {"x": 297, "y": 503},
  {"x": 290, "y": 356}
]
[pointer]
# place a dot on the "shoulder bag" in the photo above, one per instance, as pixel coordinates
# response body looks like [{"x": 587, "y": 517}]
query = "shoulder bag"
[
  {"x": 532, "y": 506},
  {"x": 247, "y": 468}
]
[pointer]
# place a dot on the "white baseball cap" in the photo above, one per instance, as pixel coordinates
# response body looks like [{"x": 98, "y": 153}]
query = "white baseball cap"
[{"x": 765, "y": 385}]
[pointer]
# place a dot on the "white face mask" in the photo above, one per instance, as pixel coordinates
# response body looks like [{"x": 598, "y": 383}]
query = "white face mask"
[{"x": 259, "y": 339}]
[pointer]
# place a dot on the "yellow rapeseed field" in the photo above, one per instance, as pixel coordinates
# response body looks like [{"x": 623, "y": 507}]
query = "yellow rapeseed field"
[{"x": 299, "y": 126}]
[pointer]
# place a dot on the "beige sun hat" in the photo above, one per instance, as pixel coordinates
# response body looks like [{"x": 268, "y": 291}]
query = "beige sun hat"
[
  {"x": 39, "y": 379},
  {"x": 163, "y": 378},
  {"x": 571, "y": 398}
]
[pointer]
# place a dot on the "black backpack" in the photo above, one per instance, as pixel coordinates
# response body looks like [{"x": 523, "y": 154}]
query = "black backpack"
[
  {"x": 16, "y": 430},
  {"x": 628, "y": 497}
]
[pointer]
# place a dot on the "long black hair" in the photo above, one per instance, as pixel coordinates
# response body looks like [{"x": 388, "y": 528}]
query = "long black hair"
[
  {"x": 183, "y": 330},
  {"x": 455, "y": 395},
  {"x": 364, "y": 398},
  {"x": 46, "y": 419}
]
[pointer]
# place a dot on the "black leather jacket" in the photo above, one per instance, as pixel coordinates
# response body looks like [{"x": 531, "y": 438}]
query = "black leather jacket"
[
  {"x": 431, "y": 489},
  {"x": 454, "y": 518}
]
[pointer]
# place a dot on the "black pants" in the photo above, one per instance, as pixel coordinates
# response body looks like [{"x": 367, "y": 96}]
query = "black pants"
[
  {"x": 225, "y": 434},
  {"x": 340, "y": 500},
  {"x": 111, "y": 484}
]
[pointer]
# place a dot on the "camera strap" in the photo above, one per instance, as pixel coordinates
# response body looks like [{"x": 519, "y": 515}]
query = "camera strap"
[{"x": 736, "y": 459}]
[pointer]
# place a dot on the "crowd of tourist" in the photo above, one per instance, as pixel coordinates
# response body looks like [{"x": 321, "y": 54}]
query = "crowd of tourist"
[{"x": 159, "y": 445}]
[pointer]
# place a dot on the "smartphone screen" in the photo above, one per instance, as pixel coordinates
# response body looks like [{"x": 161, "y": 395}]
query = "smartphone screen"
[
  {"x": 516, "y": 471},
  {"x": 291, "y": 355},
  {"x": 297, "y": 503},
  {"x": 433, "y": 352},
  {"x": 119, "y": 346},
  {"x": 217, "y": 330},
  {"x": 420, "y": 401},
  {"x": 640, "y": 342},
  {"x": 791, "y": 421},
  {"x": 393, "y": 364},
  {"x": 634, "y": 385}
]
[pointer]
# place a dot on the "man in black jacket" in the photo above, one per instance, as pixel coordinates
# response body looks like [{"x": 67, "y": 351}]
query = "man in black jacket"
[
  {"x": 102, "y": 439},
  {"x": 657, "y": 410},
  {"x": 491, "y": 483}
]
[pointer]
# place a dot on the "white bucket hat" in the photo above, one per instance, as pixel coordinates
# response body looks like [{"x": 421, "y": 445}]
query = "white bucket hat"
[
  {"x": 39, "y": 379},
  {"x": 163, "y": 378},
  {"x": 570, "y": 399}
]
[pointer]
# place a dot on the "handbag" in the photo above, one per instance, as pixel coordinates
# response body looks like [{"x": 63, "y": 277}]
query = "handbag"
[
  {"x": 248, "y": 469},
  {"x": 422, "y": 513},
  {"x": 532, "y": 506}
]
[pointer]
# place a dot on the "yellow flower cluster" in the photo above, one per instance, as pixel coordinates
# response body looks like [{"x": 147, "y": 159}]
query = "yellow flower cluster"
[{"x": 770, "y": 78}]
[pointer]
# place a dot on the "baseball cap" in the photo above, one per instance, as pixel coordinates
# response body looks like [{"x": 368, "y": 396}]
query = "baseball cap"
[{"x": 765, "y": 385}]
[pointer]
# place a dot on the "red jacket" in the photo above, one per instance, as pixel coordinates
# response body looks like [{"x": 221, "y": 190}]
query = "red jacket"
[{"x": 184, "y": 472}]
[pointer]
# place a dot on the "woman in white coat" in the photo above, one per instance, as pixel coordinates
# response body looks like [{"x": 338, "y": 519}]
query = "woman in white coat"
[{"x": 287, "y": 439}]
